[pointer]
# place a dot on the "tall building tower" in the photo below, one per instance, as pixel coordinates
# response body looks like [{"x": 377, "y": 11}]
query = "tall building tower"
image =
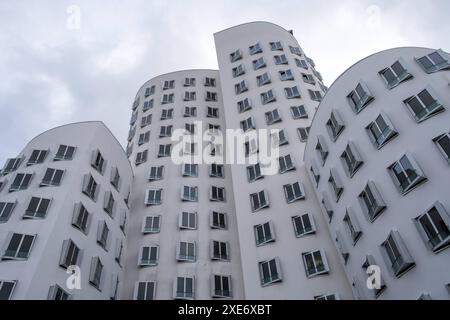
[
  {"x": 378, "y": 151},
  {"x": 63, "y": 203},
  {"x": 269, "y": 83}
]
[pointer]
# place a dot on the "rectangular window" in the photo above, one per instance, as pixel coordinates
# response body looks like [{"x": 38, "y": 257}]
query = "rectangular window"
[
  {"x": 292, "y": 93},
  {"x": 268, "y": 97},
  {"x": 184, "y": 288},
  {"x": 103, "y": 235},
  {"x": 259, "y": 63},
  {"x": 217, "y": 194},
  {"x": 190, "y": 112},
  {"x": 254, "y": 173},
  {"x": 144, "y": 138},
  {"x": 259, "y": 200},
  {"x": 219, "y": 251},
  {"x": 322, "y": 149},
  {"x": 315, "y": 95},
  {"x": 150, "y": 91},
  {"x": 435, "y": 61},
  {"x": 166, "y": 114},
  {"x": 188, "y": 221},
  {"x": 169, "y": 84},
  {"x": 303, "y": 225},
  {"x": 371, "y": 201},
  {"x": 241, "y": 87},
  {"x": 21, "y": 182},
  {"x": 255, "y": 49},
  {"x": 406, "y": 174},
  {"x": 141, "y": 157},
  {"x": 37, "y": 208},
  {"x": 423, "y": 105},
  {"x": 149, "y": 256},
  {"x": 64, "y": 153},
  {"x": 270, "y": 272},
  {"x": 70, "y": 254},
  {"x": 301, "y": 63},
  {"x": 342, "y": 247},
  {"x": 189, "y": 82},
  {"x": 190, "y": 96},
  {"x": 164, "y": 150},
  {"x": 295, "y": 50},
  {"x": 109, "y": 204},
  {"x": 263, "y": 79},
  {"x": 281, "y": 59},
  {"x": 167, "y": 98},
  {"x": 6, "y": 208},
  {"x": 156, "y": 173},
  {"x": 335, "y": 125},
  {"x": 303, "y": 133},
  {"x": 308, "y": 78},
  {"x": 351, "y": 159},
  {"x": 133, "y": 118},
  {"x": 95, "y": 276},
  {"x": 315, "y": 263},
  {"x": 145, "y": 290},
  {"x": 443, "y": 144},
  {"x": 299, "y": 112},
  {"x": 286, "y": 75},
  {"x": 216, "y": 170},
  {"x": 218, "y": 220},
  {"x": 211, "y": 96},
  {"x": 165, "y": 131},
  {"x": 294, "y": 192},
  {"x": 360, "y": 97},
  {"x": 19, "y": 246},
  {"x": 395, "y": 74},
  {"x": 326, "y": 297},
  {"x": 264, "y": 234},
  {"x": 212, "y": 112},
  {"x": 56, "y": 293},
  {"x": 153, "y": 197},
  {"x": 315, "y": 173},
  {"x": 190, "y": 128},
  {"x": 186, "y": 252},
  {"x": 145, "y": 121},
  {"x": 352, "y": 225},
  {"x": 273, "y": 117},
  {"x": 210, "y": 82},
  {"x": 236, "y": 55},
  {"x": 434, "y": 226},
  {"x": 285, "y": 164},
  {"x": 251, "y": 147},
  {"x": 276, "y": 46},
  {"x": 90, "y": 187},
  {"x": 244, "y": 105},
  {"x": 248, "y": 124},
  {"x": 52, "y": 177},
  {"x": 381, "y": 131},
  {"x": 335, "y": 184},
  {"x": 115, "y": 178},
  {"x": 221, "y": 286},
  {"x": 37, "y": 156},
  {"x": 148, "y": 105},
  {"x": 189, "y": 194},
  {"x": 81, "y": 218},
  {"x": 397, "y": 254},
  {"x": 152, "y": 224},
  {"x": 6, "y": 289},
  {"x": 238, "y": 71},
  {"x": 190, "y": 170}
]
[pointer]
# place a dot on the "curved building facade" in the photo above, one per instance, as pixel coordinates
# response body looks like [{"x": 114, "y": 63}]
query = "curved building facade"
[
  {"x": 378, "y": 154},
  {"x": 63, "y": 204}
]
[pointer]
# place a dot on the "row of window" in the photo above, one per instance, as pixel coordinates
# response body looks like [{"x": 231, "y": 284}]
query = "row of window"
[
  {"x": 156, "y": 173},
  {"x": 169, "y": 98},
  {"x": 188, "y": 82},
  {"x": 188, "y": 193}
]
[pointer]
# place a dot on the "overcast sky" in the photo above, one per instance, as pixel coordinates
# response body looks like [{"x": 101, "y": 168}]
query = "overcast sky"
[{"x": 54, "y": 73}]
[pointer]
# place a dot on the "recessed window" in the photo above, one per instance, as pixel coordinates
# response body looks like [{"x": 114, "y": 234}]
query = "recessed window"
[
  {"x": 299, "y": 112},
  {"x": 156, "y": 173},
  {"x": 335, "y": 125},
  {"x": 6, "y": 289},
  {"x": 95, "y": 276},
  {"x": 292, "y": 93},
  {"x": 190, "y": 170},
  {"x": 279, "y": 138},
  {"x": 308, "y": 78},
  {"x": 259, "y": 63},
  {"x": 109, "y": 204},
  {"x": 281, "y": 59},
  {"x": 64, "y": 153},
  {"x": 286, "y": 75},
  {"x": 190, "y": 96},
  {"x": 352, "y": 225},
  {"x": 217, "y": 194},
  {"x": 371, "y": 201},
  {"x": 443, "y": 144},
  {"x": 303, "y": 133},
  {"x": 166, "y": 114},
  {"x": 218, "y": 220},
  {"x": 212, "y": 112},
  {"x": 241, "y": 87},
  {"x": 70, "y": 254},
  {"x": 254, "y": 173},
  {"x": 90, "y": 187},
  {"x": 164, "y": 150},
  {"x": 133, "y": 119},
  {"x": 315, "y": 173},
  {"x": 315, "y": 95},
  {"x": 327, "y": 206},
  {"x": 335, "y": 184},
  {"x": 186, "y": 251},
  {"x": 238, "y": 71},
  {"x": 264, "y": 234},
  {"x": 189, "y": 148},
  {"x": 295, "y": 50},
  {"x": 236, "y": 55},
  {"x": 189, "y": 194},
  {"x": 303, "y": 225},
  {"x": 148, "y": 105},
  {"x": 115, "y": 178},
  {"x": 322, "y": 149},
  {"x": 244, "y": 105},
  {"x": 37, "y": 208},
  {"x": 216, "y": 170},
  {"x": 259, "y": 200},
  {"x": 103, "y": 235},
  {"x": 360, "y": 97},
  {"x": 251, "y": 147},
  {"x": 144, "y": 138},
  {"x": 152, "y": 224},
  {"x": 165, "y": 131},
  {"x": 285, "y": 164},
  {"x": 222, "y": 286},
  {"x": 210, "y": 82},
  {"x": 395, "y": 74},
  {"x": 315, "y": 263},
  {"x": 397, "y": 254},
  {"x": 167, "y": 98},
  {"x": 294, "y": 192},
  {"x": 219, "y": 251},
  {"x": 270, "y": 272},
  {"x": 184, "y": 288},
  {"x": 434, "y": 226},
  {"x": 248, "y": 124},
  {"x": 255, "y": 49},
  {"x": 406, "y": 174},
  {"x": 268, "y": 97},
  {"x": 149, "y": 256},
  {"x": 211, "y": 96},
  {"x": 145, "y": 290},
  {"x": 188, "y": 221},
  {"x": 56, "y": 293},
  {"x": 149, "y": 91},
  {"x": 189, "y": 82},
  {"x": 351, "y": 159},
  {"x": 301, "y": 63},
  {"x": 190, "y": 112},
  {"x": 381, "y": 131},
  {"x": 81, "y": 218},
  {"x": 342, "y": 248},
  {"x": 136, "y": 103},
  {"x": 52, "y": 177},
  {"x": 21, "y": 182},
  {"x": 19, "y": 246},
  {"x": 423, "y": 105},
  {"x": 37, "y": 156},
  {"x": 169, "y": 84},
  {"x": 131, "y": 133},
  {"x": 263, "y": 79},
  {"x": 11, "y": 165},
  {"x": 435, "y": 61},
  {"x": 141, "y": 157},
  {"x": 273, "y": 117},
  {"x": 153, "y": 197},
  {"x": 6, "y": 209}
]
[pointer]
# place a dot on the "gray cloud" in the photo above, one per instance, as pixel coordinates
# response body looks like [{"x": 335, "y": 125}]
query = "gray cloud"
[{"x": 53, "y": 75}]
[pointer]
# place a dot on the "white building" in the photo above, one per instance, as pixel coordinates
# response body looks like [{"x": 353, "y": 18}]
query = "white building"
[
  {"x": 379, "y": 151},
  {"x": 62, "y": 203}
]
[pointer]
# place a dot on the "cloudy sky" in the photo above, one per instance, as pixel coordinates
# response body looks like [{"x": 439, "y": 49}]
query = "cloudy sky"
[{"x": 55, "y": 73}]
